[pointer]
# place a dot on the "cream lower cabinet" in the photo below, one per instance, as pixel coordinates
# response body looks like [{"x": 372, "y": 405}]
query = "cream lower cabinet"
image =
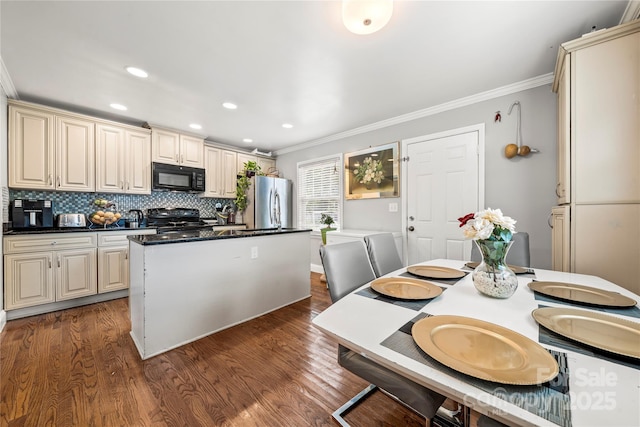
[
  {"x": 44, "y": 269},
  {"x": 113, "y": 259},
  {"x": 561, "y": 238}
]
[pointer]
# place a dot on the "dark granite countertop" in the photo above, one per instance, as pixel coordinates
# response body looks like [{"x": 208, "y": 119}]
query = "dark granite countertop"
[{"x": 201, "y": 235}]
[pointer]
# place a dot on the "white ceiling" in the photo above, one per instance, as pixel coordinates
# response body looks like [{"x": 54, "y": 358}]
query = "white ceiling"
[{"x": 280, "y": 61}]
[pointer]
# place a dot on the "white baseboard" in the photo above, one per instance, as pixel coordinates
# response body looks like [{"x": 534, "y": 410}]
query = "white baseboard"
[
  {"x": 317, "y": 268},
  {"x": 3, "y": 319}
]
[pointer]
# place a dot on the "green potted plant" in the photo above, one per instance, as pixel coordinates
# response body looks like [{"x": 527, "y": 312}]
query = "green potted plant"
[
  {"x": 326, "y": 220},
  {"x": 249, "y": 169}
]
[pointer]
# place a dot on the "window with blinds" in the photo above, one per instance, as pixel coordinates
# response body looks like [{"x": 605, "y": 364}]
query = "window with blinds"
[{"x": 320, "y": 191}]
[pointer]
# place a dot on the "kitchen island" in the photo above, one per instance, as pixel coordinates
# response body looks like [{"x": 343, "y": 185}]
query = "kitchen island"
[{"x": 185, "y": 287}]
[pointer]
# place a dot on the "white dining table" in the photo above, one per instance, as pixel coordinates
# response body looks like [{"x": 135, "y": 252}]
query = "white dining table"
[{"x": 597, "y": 390}]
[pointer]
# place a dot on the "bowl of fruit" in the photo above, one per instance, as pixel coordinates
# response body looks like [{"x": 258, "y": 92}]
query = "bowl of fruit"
[{"x": 105, "y": 213}]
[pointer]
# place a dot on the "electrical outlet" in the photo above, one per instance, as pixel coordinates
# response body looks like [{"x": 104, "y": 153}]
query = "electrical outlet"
[
  {"x": 254, "y": 252},
  {"x": 393, "y": 207}
]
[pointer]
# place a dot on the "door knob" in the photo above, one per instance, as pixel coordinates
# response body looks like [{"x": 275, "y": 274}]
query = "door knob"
[
  {"x": 411, "y": 228},
  {"x": 411, "y": 218}
]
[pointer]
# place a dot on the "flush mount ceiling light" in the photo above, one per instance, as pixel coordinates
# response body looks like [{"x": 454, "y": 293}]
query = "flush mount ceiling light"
[
  {"x": 138, "y": 72},
  {"x": 247, "y": 140},
  {"x": 366, "y": 16},
  {"x": 118, "y": 107},
  {"x": 287, "y": 125},
  {"x": 229, "y": 105},
  {"x": 195, "y": 126}
]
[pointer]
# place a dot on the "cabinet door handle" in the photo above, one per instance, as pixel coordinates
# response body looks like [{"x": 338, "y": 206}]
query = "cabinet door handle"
[
  {"x": 49, "y": 263},
  {"x": 177, "y": 158},
  {"x": 557, "y": 188},
  {"x": 58, "y": 261},
  {"x": 58, "y": 179},
  {"x": 126, "y": 254},
  {"x": 50, "y": 180},
  {"x": 127, "y": 185},
  {"x": 549, "y": 220},
  {"x": 182, "y": 158}
]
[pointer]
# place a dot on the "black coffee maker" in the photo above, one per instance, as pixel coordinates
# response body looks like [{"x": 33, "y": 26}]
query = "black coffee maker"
[{"x": 31, "y": 213}]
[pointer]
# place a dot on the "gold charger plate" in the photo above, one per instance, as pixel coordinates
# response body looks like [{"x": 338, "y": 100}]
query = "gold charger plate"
[
  {"x": 404, "y": 288},
  {"x": 582, "y": 294},
  {"x": 435, "y": 272},
  {"x": 597, "y": 330},
  {"x": 484, "y": 350},
  {"x": 514, "y": 268}
]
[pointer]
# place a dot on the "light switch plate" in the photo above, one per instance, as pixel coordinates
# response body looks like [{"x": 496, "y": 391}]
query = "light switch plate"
[
  {"x": 393, "y": 207},
  {"x": 254, "y": 252}
]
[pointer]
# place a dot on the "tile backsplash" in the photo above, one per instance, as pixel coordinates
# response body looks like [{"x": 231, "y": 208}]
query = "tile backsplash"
[{"x": 71, "y": 202}]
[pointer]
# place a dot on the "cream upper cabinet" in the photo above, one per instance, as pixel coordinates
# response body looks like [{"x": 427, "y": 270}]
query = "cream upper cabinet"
[
  {"x": 597, "y": 78},
  {"x": 243, "y": 158},
  {"x": 165, "y": 146},
  {"x": 266, "y": 165},
  {"x": 229, "y": 173},
  {"x": 221, "y": 172},
  {"x": 49, "y": 151},
  {"x": 212, "y": 163},
  {"x": 605, "y": 124},
  {"x": 177, "y": 149},
  {"x": 191, "y": 151},
  {"x": 123, "y": 160},
  {"x": 138, "y": 162},
  {"x": 31, "y": 148},
  {"x": 563, "y": 170},
  {"x": 75, "y": 154}
]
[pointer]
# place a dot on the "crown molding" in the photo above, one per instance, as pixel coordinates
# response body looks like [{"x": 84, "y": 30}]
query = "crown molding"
[
  {"x": 632, "y": 11},
  {"x": 6, "y": 83},
  {"x": 447, "y": 106}
]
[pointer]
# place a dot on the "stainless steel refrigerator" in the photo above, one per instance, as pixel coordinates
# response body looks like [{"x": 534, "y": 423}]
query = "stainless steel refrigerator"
[{"x": 269, "y": 203}]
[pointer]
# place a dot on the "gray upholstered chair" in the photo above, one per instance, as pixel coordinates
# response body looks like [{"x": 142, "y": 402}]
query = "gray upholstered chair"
[
  {"x": 347, "y": 267},
  {"x": 383, "y": 253},
  {"x": 518, "y": 253}
]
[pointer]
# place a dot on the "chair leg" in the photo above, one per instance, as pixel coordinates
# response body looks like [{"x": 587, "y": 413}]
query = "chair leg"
[{"x": 337, "y": 415}]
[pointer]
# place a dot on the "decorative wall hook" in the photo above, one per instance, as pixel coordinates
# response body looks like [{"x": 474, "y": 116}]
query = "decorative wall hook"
[{"x": 511, "y": 150}]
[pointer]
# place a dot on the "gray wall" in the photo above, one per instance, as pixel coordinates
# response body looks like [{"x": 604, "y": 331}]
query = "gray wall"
[{"x": 524, "y": 188}]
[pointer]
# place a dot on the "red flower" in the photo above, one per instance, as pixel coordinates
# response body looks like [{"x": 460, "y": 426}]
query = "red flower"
[{"x": 466, "y": 218}]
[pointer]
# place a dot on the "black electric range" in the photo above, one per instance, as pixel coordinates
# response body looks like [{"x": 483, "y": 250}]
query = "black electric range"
[{"x": 184, "y": 221}]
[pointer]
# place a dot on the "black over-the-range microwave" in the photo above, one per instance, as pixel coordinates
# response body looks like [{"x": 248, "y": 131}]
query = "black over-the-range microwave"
[{"x": 177, "y": 178}]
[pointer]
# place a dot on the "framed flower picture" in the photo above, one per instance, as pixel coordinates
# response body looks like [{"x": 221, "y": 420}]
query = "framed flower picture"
[{"x": 372, "y": 173}]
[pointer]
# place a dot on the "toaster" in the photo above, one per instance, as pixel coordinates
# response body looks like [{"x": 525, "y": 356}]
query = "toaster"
[{"x": 72, "y": 220}]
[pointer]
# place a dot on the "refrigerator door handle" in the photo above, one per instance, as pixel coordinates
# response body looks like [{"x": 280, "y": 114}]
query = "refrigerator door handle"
[{"x": 271, "y": 208}]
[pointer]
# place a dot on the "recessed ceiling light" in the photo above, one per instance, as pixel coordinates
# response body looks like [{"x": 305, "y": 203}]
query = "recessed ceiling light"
[
  {"x": 118, "y": 107},
  {"x": 195, "y": 126},
  {"x": 229, "y": 105},
  {"x": 287, "y": 125},
  {"x": 138, "y": 72},
  {"x": 247, "y": 140}
]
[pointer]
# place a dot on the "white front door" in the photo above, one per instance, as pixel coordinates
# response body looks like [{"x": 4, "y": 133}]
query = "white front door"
[{"x": 444, "y": 181}]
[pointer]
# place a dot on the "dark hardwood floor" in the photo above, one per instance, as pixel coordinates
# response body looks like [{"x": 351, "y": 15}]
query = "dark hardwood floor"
[{"x": 79, "y": 367}]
